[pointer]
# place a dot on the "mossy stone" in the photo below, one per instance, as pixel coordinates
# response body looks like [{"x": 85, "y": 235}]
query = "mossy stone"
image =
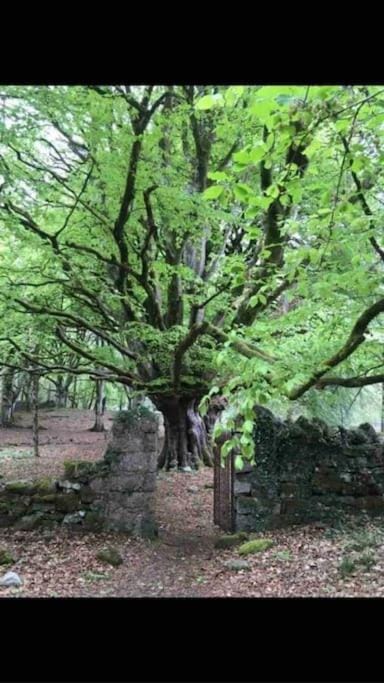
[
  {"x": 231, "y": 540},
  {"x": 79, "y": 469},
  {"x": 45, "y": 499},
  {"x": 130, "y": 417},
  {"x": 45, "y": 486},
  {"x": 93, "y": 521},
  {"x": 87, "y": 495},
  {"x": 20, "y": 487},
  {"x": 29, "y": 522},
  {"x": 67, "y": 502},
  {"x": 255, "y": 546},
  {"x": 14, "y": 506},
  {"x": 110, "y": 556}
]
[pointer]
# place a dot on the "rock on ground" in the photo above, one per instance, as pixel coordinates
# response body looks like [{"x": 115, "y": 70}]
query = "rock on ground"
[{"x": 11, "y": 579}]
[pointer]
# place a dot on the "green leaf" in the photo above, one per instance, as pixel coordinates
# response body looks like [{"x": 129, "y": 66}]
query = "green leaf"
[
  {"x": 233, "y": 94},
  {"x": 213, "y": 192},
  {"x": 227, "y": 447},
  {"x": 242, "y": 157},
  {"x": 257, "y": 153},
  {"x": 242, "y": 191},
  {"x": 210, "y": 101},
  {"x": 239, "y": 463},
  {"x": 248, "y": 427},
  {"x": 218, "y": 175}
]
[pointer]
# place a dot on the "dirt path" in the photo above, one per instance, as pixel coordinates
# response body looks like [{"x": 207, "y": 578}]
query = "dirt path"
[{"x": 183, "y": 561}]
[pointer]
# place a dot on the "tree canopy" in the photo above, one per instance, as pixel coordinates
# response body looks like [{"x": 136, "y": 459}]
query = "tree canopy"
[{"x": 194, "y": 240}]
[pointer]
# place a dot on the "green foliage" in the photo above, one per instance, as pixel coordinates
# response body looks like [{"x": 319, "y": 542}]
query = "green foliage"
[
  {"x": 361, "y": 540},
  {"x": 367, "y": 560},
  {"x": 6, "y": 557},
  {"x": 347, "y": 566},
  {"x": 236, "y": 207}
]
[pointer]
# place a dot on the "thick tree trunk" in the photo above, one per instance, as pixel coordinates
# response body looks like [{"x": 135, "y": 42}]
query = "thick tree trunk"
[
  {"x": 186, "y": 443},
  {"x": 99, "y": 422}
]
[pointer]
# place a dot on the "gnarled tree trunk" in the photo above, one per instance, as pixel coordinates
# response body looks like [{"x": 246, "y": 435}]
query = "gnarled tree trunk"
[{"x": 186, "y": 444}]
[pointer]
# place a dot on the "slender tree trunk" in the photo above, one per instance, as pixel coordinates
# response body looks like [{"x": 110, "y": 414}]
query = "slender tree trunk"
[
  {"x": 35, "y": 421},
  {"x": 26, "y": 394},
  {"x": 99, "y": 422},
  {"x": 60, "y": 393},
  {"x": 74, "y": 397},
  {"x": 67, "y": 385},
  {"x": 186, "y": 443},
  {"x": 382, "y": 407},
  {"x": 7, "y": 398},
  {"x": 92, "y": 397}
]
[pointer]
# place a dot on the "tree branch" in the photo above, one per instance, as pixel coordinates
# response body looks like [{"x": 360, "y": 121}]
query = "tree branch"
[
  {"x": 80, "y": 322},
  {"x": 350, "y": 381},
  {"x": 241, "y": 346},
  {"x": 356, "y": 337}
]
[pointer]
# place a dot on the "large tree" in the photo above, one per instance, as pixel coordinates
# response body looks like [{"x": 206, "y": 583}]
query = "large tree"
[{"x": 210, "y": 238}]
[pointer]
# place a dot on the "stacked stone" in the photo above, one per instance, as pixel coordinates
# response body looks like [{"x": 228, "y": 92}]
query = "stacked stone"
[
  {"x": 116, "y": 493},
  {"x": 308, "y": 471}
]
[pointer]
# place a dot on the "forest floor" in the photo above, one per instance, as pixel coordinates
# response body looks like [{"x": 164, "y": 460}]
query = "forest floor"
[{"x": 303, "y": 561}]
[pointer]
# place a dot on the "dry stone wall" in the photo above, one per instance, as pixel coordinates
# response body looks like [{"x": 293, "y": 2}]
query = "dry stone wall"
[
  {"x": 307, "y": 471},
  {"x": 116, "y": 493}
]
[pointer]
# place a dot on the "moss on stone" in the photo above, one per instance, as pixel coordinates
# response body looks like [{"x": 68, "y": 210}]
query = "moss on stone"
[
  {"x": 93, "y": 521},
  {"x": 130, "y": 417},
  {"x": 255, "y": 546},
  {"x": 44, "y": 499},
  {"x": 87, "y": 495},
  {"x": 79, "y": 469},
  {"x": 231, "y": 540},
  {"x": 14, "y": 506},
  {"x": 4, "y": 506},
  {"x": 67, "y": 502},
  {"x": 20, "y": 487},
  {"x": 110, "y": 556},
  {"x": 45, "y": 486}
]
